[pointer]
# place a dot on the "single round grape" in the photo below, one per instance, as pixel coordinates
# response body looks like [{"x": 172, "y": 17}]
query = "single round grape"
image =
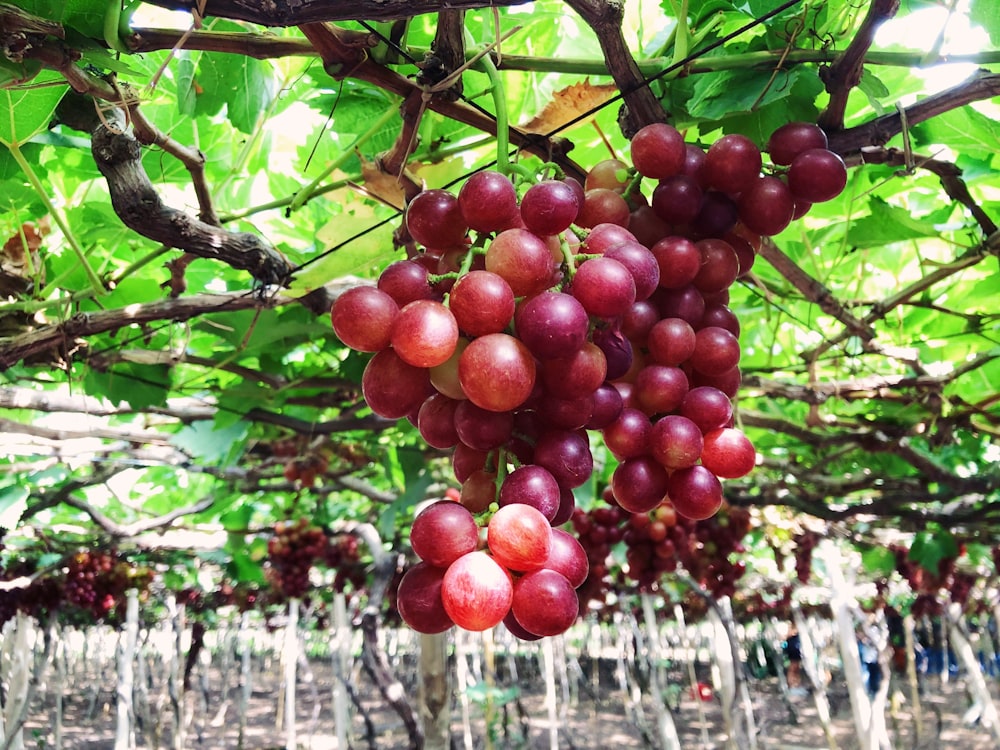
[
  {"x": 476, "y": 591},
  {"x": 618, "y": 350},
  {"x": 718, "y": 215},
  {"x": 434, "y": 219},
  {"x": 518, "y": 630},
  {"x": 480, "y": 428},
  {"x": 603, "y": 206},
  {"x": 443, "y": 532},
  {"x": 466, "y": 460},
  {"x": 392, "y": 388},
  {"x": 767, "y": 206},
  {"x": 676, "y": 442},
  {"x": 746, "y": 244},
  {"x": 628, "y": 435},
  {"x": 721, "y": 316},
  {"x": 406, "y": 281},
  {"x": 568, "y": 557},
  {"x": 497, "y": 372},
  {"x": 362, "y": 318},
  {"x": 707, "y": 407},
  {"x": 792, "y": 138},
  {"x": 482, "y": 302},
  {"x": 716, "y": 350},
  {"x": 695, "y": 492},
  {"x": 660, "y": 389},
  {"x": 531, "y": 485},
  {"x": 638, "y": 321},
  {"x": 479, "y": 490},
  {"x": 817, "y": 175},
  {"x": 639, "y": 484},
  {"x": 436, "y": 421},
  {"x": 566, "y": 413},
  {"x": 519, "y": 537},
  {"x": 488, "y": 201},
  {"x": 658, "y": 151},
  {"x": 728, "y": 382},
  {"x": 607, "y": 407},
  {"x": 732, "y": 163},
  {"x": 604, "y": 287},
  {"x": 677, "y": 199},
  {"x": 577, "y": 375},
  {"x": 425, "y": 333},
  {"x": 610, "y": 174},
  {"x": 552, "y": 324},
  {"x": 728, "y": 453},
  {"x": 418, "y": 599},
  {"x": 549, "y": 207},
  {"x": 671, "y": 341},
  {"x": 523, "y": 259},
  {"x": 444, "y": 377},
  {"x": 679, "y": 260},
  {"x": 545, "y": 603},
  {"x": 641, "y": 263},
  {"x": 567, "y": 504},
  {"x": 719, "y": 265},
  {"x": 566, "y": 454},
  {"x": 647, "y": 227},
  {"x": 686, "y": 303},
  {"x": 604, "y": 237}
]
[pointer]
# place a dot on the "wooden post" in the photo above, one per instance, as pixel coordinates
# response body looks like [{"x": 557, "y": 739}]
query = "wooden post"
[
  {"x": 665, "y": 728},
  {"x": 974, "y": 674},
  {"x": 340, "y": 652},
  {"x": 290, "y": 656},
  {"x": 434, "y": 692}
]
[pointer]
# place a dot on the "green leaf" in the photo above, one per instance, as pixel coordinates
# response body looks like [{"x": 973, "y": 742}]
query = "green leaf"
[
  {"x": 886, "y": 224},
  {"x": 26, "y": 112},
  {"x": 204, "y": 439},
  {"x": 13, "y": 503},
  {"x": 359, "y": 257},
  {"x": 963, "y": 130},
  {"x": 244, "y": 85},
  {"x": 416, "y": 490},
  {"x": 984, "y": 13},
  {"x": 83, "y": 16},
  {"x": 929, "y": 548},
  {"x": 138, "y": 385},
  {"x": 879, "y": 561}
]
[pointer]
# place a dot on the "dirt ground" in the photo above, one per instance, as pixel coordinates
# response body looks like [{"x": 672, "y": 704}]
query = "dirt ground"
[{"x": 597, "y": 705}]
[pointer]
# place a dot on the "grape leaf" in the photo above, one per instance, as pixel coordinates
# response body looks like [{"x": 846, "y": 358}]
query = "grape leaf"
[
  {"x": 965, "y": 131},
  {"x": 887, "y": 223},
  {"x": 984, "y": 13},
  {"x": 929, "y": 548},
  {"x": 567, "y": 104},
  {"x": 28, "y": 112},
  {"x": 879, "y": 560},
  {"x": 205, "y": 440}
]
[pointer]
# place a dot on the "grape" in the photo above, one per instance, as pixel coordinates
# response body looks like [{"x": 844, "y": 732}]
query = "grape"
[
  {"x": 362, "y": 318},
  {"x": 603, "y": 206},
  {"x": 720, "y": 316},
  {"x": 425, "y": 333},
  {"x": 695, "y": 492},
  {"x": 604, "y": 287},
  {"x": 444, "y": 377},
  {"x": 639, "y": 484},
  {"x": 671, "y": 341},
  {"x": 728, "y": 453},
  {"x": 465, "y": 461},
  {"x": 767, "y": 206},
  {"x": 707, "y": 407},
  {"x": 488, "y": 202},
  {"x": 552, "y": 324},
  {"x": 676, "y": 442},
  {"x": 476, "y": 591},
  {"x": 519, "y": 537},
  {"x": 660, "y": 389},
  {"x": 436, "y": 421},
  {"x": 617, "y": 349},
  {"x": 566, "y": 455},
  {"x": 523, "y": 260},
  {"x": 567, "y": 413},
  {"x": 405, "y": 281},
  {"x": 609, "y": 174},
  {"x": 604, "y": 237},
  {"x": 716, "y": 351},
  {"x": 443, "y": 532},
  {"x": 418, "y": 599},
  {"x": 392, "y": 388},
  {"x": 641, "y": 263},
  {"x": 658, "y": 151},
  {"x": 686, "y": 303},
  {"x": 549, "y": 207},
  {"x": 677, "y": 199},
  {"x": 497, "y": 372},
  {"x": 792, "y": 139},
  {"x": 482, "y": 302},
  {"x": 718, "y": 214},
  {"x": 607, "y": 407},
  {"x": 577, "y": 375},
  {"x": 679, "y": 260},
  {"x": 479, "y": 490},
  {"x": 434, "y": 219},
  {"x": 567, "y": 504},
  {"x": 534, "y": 486},
  {"x": 719, "y": 266},
  {"x": 817, "y": 175},
  {"x": 567, "y": 556},
  {"x": 545, "y": 603},
  {"x": 480, "y": 428},
  {"x": 628, "y": 435},
  {"x": 732, "y": 163},
  {"x": 517, "y": 630}
]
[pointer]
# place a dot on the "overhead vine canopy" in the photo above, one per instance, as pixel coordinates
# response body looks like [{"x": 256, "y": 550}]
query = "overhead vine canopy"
[{"x": 183, "y": 194}]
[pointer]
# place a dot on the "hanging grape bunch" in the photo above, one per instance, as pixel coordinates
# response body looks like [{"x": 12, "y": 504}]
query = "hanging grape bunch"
[{"x": 524, "y": 325}]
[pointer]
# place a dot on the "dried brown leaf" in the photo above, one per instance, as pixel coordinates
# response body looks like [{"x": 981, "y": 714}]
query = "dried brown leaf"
[
  {"x": 381, "y": 185},
  {"x": 569, "y": 103}
]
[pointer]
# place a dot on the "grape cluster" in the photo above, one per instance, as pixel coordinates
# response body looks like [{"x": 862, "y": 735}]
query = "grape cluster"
[
  {"x": 521, "y": 322},
  {"x": 343, "y": 556},
  {"x": 302, "y": 464},
  {"x": 96, "y": 582},
  {"x": 527, "y": 579},
  {"x": 805, "y": 542},
  {"x": 291, "y": 553}
]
